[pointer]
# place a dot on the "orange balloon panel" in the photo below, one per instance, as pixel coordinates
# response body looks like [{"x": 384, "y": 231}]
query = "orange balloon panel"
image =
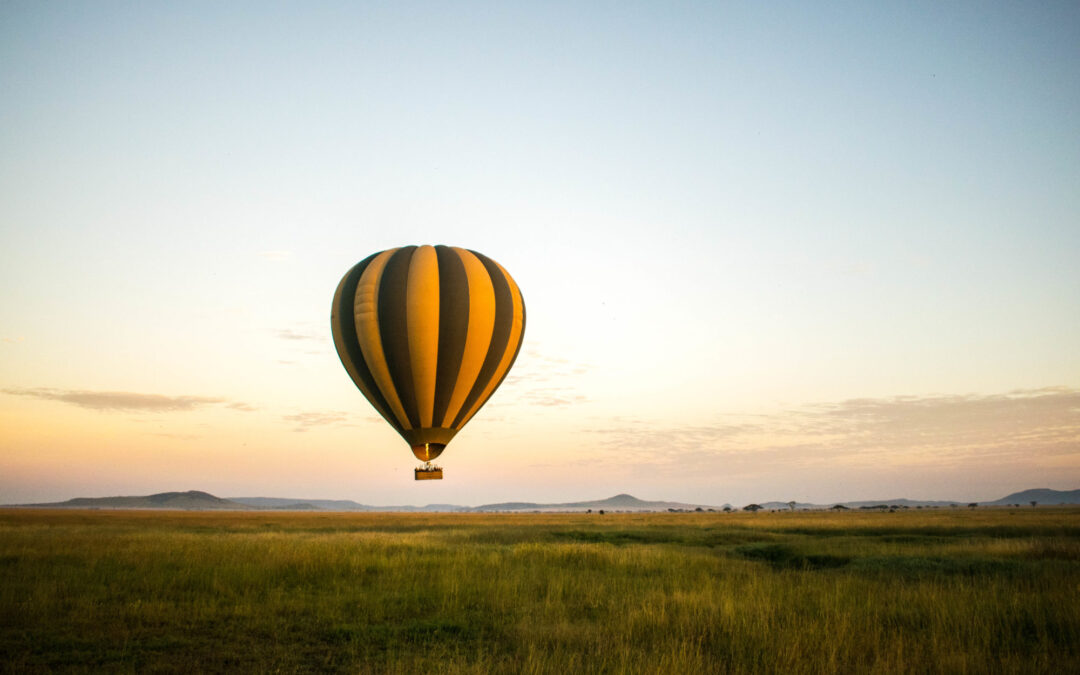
[{"x": 427, "y": 333}]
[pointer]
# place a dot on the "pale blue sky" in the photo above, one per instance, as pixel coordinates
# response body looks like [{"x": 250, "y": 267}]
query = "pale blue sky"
[{"x": 712, "y": 210}]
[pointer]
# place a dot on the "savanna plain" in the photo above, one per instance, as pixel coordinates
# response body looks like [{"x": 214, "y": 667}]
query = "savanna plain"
[{"x": 953, "y": 590}]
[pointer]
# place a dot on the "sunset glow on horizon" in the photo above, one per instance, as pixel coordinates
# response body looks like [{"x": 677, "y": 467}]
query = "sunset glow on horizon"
[{"x": 768, "y": 253}]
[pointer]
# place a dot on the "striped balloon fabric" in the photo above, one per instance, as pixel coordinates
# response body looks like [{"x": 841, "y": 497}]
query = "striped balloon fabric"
[{"x": 427, "y": 334}]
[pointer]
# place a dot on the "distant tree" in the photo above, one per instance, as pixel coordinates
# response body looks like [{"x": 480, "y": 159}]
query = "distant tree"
[
  {"x": 727, "y": 509},
  {"x": 791, "y": 505},
  {"x": 973, "y": 505},
  {"x": 588, "y": 511},
  {"x": 752, "y": 508},
  {"x": 839, "y": 507},
  {"x": 601, "y": 511},
  {"x": 1034, "y": 504},
  {"x": 700, "y": 510}
]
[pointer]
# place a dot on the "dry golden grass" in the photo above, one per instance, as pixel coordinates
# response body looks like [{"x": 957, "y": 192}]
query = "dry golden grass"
[{"x": 916, "y": 591}]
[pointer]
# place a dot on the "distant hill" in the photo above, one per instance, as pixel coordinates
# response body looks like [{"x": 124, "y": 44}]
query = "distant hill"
[
  {"x": 288, "y": 504},
  {"x": 190, "y": 500},
  {"x": 620, "y": 502},
  {"x": 196, "y": 500},
  {"x": 783, "y": 506},
  {"x": 911, "y": 503},
  {"x": 1040, "y": 495},
  {"x": 868, "y": 503}
]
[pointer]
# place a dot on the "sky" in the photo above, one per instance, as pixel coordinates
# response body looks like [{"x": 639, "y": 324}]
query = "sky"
[{"x": 809, "y": 251}]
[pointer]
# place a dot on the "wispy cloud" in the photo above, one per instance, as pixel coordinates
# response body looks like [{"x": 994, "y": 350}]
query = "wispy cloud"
[
  {"x": 534, "y": 366},
  {"x": 305, "y": 421},
  {"x": 13, "y": 340},
  {"x": 538, "y": 379},
  {"x": 1033, "y": 416},
  {"x": 902, "y": 430},
  {"x": 304, "y": 339},
  {"x": 289, "y": 334},
  {"x": 551, "y": 396},
  {"x": 126, "y": 401}
]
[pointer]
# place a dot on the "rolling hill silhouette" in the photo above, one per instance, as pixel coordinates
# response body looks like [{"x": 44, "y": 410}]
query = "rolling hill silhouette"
[{"x": 198, "y": 500}]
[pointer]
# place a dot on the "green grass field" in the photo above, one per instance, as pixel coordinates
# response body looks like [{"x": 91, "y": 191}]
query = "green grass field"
[{"x": 955, "y": 591}]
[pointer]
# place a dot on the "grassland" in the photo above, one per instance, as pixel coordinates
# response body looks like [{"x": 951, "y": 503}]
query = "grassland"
[{"x": 978, "y": 591}]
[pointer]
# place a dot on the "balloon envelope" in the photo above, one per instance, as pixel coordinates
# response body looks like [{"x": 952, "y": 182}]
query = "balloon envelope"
[{"x": 427, "y": 333}]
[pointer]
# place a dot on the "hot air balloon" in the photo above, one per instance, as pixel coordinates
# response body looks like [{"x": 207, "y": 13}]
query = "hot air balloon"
[{"x": 427, "y": 333}]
